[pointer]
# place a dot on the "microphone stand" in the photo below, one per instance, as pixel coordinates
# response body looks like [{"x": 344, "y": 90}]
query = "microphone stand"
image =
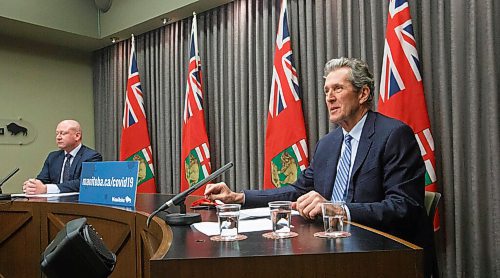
[
  {"x": 183, "y": 218},
  {"x": 6, "y": 196}
]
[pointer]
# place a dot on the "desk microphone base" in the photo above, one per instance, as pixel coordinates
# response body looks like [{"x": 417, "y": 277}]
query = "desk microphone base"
[
  {"x": 5, "y": 197},
  {"x": 179, "y": 219}
]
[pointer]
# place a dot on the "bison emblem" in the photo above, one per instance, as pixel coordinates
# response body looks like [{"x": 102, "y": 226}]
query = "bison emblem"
[{"x": 14, "y": 129}]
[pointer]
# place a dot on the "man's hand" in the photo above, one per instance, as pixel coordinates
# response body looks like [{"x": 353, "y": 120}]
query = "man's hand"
[
  {"x": 220, "y": 191},
  {"x": 34, "y": 186},
  {"x": 309, "y": 205}
]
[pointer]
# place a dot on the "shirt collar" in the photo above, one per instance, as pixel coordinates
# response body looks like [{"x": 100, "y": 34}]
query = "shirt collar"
[
  {"x": 357, "y": 129},
  {"x": 74, "y": 151}
]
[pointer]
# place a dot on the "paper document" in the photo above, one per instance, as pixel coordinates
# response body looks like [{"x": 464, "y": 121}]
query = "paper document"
[
  {"x": 245, "y": 226},
  {"x": 258, "y": 213},
  {"x": 251, "y": 220},
  {"x": 44, "y": 195}
]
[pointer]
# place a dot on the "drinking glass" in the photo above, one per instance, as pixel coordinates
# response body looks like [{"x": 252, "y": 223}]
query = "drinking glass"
[
  {"x": 334, "y": 214},
  {"x": 281, "y": 215},
  {"x": 228, "y": 216}
]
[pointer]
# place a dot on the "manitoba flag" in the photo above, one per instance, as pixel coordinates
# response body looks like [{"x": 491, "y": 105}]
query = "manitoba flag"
[
  {"x": 401, "y": 86},
  {"x": 195, "y": 160},
  {"x": 135, "y": 143},
  {"x": 286, "y": 149}
]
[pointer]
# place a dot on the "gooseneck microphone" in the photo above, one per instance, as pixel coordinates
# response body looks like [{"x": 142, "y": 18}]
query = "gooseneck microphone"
[
  {"x": 6, "y": 196},
  {"x": 178, "y": 218}
]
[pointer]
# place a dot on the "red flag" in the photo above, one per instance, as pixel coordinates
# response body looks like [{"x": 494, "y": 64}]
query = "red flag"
[
  {"x": 135, "y": 143},
  {"x": 401, "y": 86},
  {"x": 286, "y": 148},
  {"x": 195, "y": 160}
]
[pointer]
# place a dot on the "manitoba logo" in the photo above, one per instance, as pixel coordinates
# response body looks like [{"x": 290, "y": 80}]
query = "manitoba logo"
[
  {"x": 196, "y": 165},
  {"x": 287, "y": 165}
]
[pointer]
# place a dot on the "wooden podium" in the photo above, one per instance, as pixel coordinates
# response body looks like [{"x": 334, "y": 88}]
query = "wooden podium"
[{"x": 28, "y": 226}]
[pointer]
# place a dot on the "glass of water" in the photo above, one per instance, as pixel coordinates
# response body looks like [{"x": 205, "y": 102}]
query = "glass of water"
[
  {"x": 228, "y": 215},
  {"x": 281, "y": 215},
  {"x": 333, "y": 219}
]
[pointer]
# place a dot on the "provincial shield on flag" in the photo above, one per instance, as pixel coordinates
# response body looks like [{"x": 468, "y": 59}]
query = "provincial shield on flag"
[
  {"x": 287, "y": 165},
  {"x": 146, "y": 170},
  {"x": 196, "y": 164}
]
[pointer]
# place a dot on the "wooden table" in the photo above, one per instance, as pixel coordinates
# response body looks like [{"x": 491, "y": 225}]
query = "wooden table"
[{"x": 367, "y": 253}]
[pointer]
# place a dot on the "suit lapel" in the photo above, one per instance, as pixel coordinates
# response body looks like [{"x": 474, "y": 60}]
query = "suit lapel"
[
  {"x": 333, "y": 153},
  {"x": 75, "y": 162},
  {"x": 58, "y": 165},
  {"x": 365, "y": 143}
]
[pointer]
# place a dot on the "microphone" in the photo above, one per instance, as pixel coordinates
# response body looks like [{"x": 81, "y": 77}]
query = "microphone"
[
  {"x": 6, "y": 196},
  {"x": 186, "y": 218}
]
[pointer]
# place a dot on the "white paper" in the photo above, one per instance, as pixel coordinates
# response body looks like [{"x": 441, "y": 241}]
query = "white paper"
[
  {"x": 245, "y": 226},
  {"x": 258, "y": 213},
  {"x": 254, "y": 213},
  {"x": 44, "y": 195}
]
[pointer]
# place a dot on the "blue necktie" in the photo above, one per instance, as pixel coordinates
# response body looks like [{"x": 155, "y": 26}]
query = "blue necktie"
[
  {"x": 67, "y": 165},
  {"x": 342, "y": 179}
]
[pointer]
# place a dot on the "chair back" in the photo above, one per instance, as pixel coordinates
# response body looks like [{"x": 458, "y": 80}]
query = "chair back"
[{"x": 431, "y": 202}]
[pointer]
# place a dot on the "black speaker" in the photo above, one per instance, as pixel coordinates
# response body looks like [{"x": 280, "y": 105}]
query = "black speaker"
[{"x": 77, "y": 251}]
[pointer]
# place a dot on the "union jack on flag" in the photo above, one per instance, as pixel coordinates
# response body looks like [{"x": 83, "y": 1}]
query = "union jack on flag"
[
  {"x": 194, "y": 93},
  {"x": 401, "y": 86},
  {"x": 134, "y": 104},
  {"x": 285, "y": 82},
  {"x": 401, "y": 42},
  {"x": 285, "y": 148}
]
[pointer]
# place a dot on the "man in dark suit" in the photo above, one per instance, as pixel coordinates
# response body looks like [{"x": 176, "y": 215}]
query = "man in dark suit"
[
  {"x": 383, "y": 172},
  {"x": 61, "y": 170}
]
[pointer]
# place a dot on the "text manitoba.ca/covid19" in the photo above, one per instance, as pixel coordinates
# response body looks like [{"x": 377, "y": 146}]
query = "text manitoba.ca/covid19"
[{"x": 109, "y": 182}]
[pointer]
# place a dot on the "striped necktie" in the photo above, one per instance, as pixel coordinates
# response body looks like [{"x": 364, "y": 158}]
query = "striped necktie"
[
  {"x": 342, "y": 179},
  {"x": 67, "y": 165}
]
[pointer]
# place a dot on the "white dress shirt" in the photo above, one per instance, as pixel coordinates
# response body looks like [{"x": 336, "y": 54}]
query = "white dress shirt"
[{"x": 356, "y": 136}]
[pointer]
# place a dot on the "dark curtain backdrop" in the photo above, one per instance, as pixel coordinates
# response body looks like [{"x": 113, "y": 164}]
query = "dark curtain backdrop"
[{"x": 459, "y": 47}]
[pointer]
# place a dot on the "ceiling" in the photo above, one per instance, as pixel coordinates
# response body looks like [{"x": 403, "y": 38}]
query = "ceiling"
[
  {"x": 62, "y": 28},
  {"x": 12, "y": 29}
]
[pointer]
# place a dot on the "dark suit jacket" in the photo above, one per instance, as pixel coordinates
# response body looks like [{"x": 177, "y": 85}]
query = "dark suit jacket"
[
  {"x": 51, "y": 171},
  {"x": 386, "y": 189}
]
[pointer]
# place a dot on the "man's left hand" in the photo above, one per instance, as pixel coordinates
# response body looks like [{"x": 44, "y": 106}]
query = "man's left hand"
[
  {"x": 34, "y": 186},
  {"x": 309, "y": 205}
]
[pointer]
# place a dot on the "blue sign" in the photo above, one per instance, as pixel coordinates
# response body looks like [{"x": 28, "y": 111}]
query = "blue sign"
[{"x": 109, "y": 183}]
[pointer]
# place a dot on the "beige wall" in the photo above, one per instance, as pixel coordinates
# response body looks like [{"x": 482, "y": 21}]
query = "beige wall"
[
  {"x": 42, "y": 84},
  {"x": 78, "y": 17}
]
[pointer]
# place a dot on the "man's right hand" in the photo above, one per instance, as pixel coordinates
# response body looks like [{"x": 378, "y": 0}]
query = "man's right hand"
[{"x": 220, "y": 191}]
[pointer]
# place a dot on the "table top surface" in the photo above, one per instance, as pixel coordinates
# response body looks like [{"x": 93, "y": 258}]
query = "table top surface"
[{"x": 189, "y": 243}]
